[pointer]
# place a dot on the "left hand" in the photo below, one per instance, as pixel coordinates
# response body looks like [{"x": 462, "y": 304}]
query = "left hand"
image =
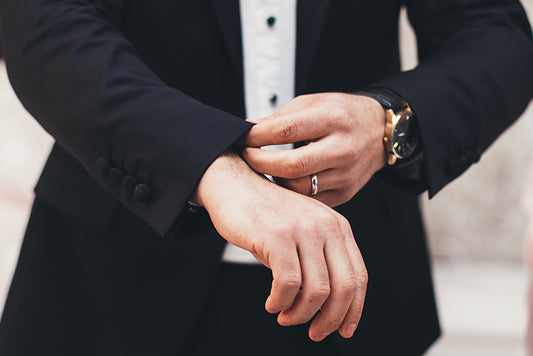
[{"x": 344, "y": 136}]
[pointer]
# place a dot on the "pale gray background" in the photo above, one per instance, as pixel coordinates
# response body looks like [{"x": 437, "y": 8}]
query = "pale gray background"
[{"x": 476, "y": 226}]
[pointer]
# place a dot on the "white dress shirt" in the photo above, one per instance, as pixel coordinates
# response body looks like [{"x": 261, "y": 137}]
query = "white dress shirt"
[{"x": 269, "y": 50}]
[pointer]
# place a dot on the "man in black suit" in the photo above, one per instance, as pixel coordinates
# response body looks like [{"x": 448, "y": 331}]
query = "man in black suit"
[{"x": 145, "y": 101}]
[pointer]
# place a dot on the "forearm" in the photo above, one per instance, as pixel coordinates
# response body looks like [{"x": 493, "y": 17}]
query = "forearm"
[
  {"x": 471, "y": 82},
  {"x": 77, "y": 74}
]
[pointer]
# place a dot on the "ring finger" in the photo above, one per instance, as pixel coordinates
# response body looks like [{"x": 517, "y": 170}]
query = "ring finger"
[{"x": 327, "y": 180}]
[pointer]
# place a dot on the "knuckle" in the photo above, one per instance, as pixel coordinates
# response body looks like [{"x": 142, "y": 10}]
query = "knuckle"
[
  {"x": 349, "y": 152},
  {"x": 291, "y": 280},
  {"x": 308, "y": 226},
  {"x": 327, "y": 117},
  {"x": 350, "y": 284},
  {"x": 284, "y": 231},
  {"x": 288, "y": 130},
  {"x": 343, "y": 222},
  {"x": 343, "y": 114},
  {"x": 311, "y": 234},
  {"x": 329, "y": 220},
  {"x": 321, "y": 289},
  {"x": 362, "y": 278},
  {"x": 339, "y": 113},
  {"x": 295, "y": 167},
  {"x": 325, "y": 214},
  {"x": 279, "y": 241}
]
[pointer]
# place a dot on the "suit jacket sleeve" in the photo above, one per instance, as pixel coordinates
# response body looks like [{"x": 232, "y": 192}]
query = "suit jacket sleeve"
[
  {"x": 474, "y": 79},
  {"x": 83, "y": 81}
]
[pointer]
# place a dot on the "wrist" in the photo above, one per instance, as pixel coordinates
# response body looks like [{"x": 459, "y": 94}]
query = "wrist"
[
  {"x": 218, "y": 181},
  {"x": 401, "y": 129},
  {"x": 214, "y": 172},
  {"x": 378, "y": 115}
]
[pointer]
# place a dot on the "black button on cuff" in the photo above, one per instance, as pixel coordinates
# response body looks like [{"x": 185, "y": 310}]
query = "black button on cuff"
[
  {"x": 142, "y": 192},
  {"x": 273, "y": 99},
  {"x": 271, "y": 21},
  {"x": 128, "y": 183},
  {"x": 116, "y": 175}
]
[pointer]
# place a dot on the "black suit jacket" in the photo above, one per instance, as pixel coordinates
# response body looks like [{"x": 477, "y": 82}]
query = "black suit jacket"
[{"x": 153, "y": 91}]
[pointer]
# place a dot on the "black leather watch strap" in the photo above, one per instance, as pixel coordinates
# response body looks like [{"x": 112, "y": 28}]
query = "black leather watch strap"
[{"x": 386, "y": 97}]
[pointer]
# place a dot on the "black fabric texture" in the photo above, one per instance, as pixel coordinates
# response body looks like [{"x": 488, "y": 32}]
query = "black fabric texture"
[{"x": 154, "y": 90}]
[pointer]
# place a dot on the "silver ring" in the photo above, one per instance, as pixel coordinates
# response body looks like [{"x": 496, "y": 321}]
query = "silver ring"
[{"x": 314, "y": 185}]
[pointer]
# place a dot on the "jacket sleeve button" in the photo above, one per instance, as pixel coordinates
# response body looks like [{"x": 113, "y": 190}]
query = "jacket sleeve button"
[
  {"x": 142, "y": 192},
  {"x": 115, "y": 175},
  {"x": 128, "y": 183},
  {"x": 103, "y": 165}
]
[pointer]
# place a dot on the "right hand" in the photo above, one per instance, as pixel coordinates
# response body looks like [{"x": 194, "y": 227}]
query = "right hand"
[{"x": 315, "y": 262}]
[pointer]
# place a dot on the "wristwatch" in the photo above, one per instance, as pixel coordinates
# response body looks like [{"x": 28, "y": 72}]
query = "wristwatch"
[{"x": 401, "y": 129}]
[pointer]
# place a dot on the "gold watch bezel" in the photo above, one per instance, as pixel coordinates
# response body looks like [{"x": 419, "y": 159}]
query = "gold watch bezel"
[{"x": 392, "y": 119}]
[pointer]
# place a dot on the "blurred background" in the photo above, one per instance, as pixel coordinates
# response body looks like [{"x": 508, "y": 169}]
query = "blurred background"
[{"x": 476, "y": 226}]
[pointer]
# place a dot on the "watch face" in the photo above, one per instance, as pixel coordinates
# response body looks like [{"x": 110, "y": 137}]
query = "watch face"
[{"x": 405, "y": 135}]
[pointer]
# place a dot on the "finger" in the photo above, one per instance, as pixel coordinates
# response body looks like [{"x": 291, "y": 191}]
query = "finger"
[
  {"x": 315, "y": 286},
  {"x": 327, "y": 180},
  {"x": 299, "y": 126},
  {"x": 287, "y": 277},
  {"x": 292, "y": 107},
  {"x": 243, "y": 140},
  {"x": 252, "y": 120},
  {"x": 343, "y": 285},
  {"x": 351, "y": 321},
  {"x": 297, "y": 163},
  {"x": 285, "y": 110}
]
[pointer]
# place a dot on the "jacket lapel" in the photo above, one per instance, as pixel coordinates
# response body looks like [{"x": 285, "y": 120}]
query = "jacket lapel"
[
  {"x": 310, "y": 19},
  {"x": 229, "y": 19}
]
